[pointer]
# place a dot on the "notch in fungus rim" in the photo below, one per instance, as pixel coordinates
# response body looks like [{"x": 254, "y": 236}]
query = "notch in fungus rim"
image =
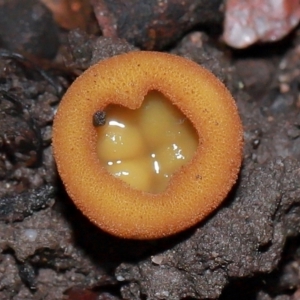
[{"x": 194, "y": 191}]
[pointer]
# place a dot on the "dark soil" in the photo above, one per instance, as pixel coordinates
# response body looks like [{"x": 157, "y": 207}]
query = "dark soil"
[{"x": 248, "y": 249}]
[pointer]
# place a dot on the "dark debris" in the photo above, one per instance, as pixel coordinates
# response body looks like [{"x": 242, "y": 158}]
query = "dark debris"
[
  {"x": 28, "y": 98},
  {"x": 154, "y": 24},
  {"x": 20, "y": 137},
  {"x": 28, "y": 276},
  {"x": 198, "y": 47},
  {"x": 28, "y": 27},
  {"x": 29, "y": 64},
  {"x": 99, "y": 118},
  {"x": 86, "y": 51},
  {"x": 16, "y": 208}
]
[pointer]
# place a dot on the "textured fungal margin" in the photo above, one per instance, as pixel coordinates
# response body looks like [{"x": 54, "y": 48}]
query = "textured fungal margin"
[{"x": 194, "y": 191}]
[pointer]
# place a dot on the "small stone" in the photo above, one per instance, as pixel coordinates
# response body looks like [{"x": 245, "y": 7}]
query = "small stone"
[{"x": 248, "y": 22}]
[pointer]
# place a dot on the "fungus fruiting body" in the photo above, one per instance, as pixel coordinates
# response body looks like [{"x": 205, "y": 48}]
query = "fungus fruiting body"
[{"x": 140, "y": 207}]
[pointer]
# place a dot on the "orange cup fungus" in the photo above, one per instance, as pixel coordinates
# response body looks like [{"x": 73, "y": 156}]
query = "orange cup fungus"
[{"x": 200, "y": 160}]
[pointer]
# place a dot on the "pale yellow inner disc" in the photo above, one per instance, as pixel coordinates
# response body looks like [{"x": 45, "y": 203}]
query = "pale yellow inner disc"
[{"x": 144, "y": 147}]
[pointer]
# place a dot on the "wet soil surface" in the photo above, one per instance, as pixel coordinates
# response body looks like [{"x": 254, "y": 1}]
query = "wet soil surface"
[{"x": 248, "y": 249}]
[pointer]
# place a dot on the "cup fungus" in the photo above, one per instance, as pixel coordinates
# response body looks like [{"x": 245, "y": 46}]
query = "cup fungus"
[{"x": 147, "y": 144}]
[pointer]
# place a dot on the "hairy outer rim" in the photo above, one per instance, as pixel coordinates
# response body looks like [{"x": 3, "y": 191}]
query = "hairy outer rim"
[{"x": 194, "y": 191}]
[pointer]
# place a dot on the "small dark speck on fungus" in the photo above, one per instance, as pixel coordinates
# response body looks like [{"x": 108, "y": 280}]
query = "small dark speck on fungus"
[{"x": 99, "y": 118}]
